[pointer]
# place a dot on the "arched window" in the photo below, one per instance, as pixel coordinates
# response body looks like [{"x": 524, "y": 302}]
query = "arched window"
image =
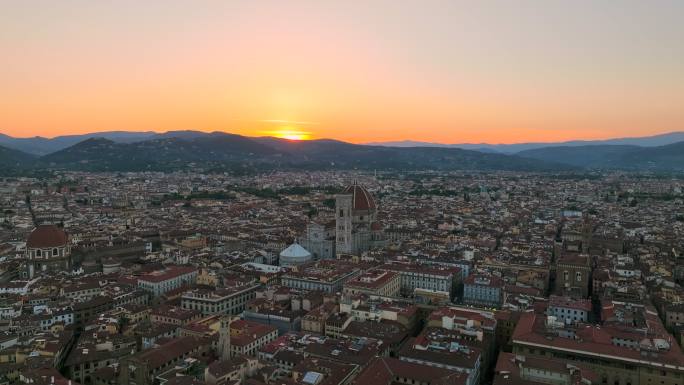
[
  {"x": 55, "y": 252},
  {"x": 39, "y": 253}
]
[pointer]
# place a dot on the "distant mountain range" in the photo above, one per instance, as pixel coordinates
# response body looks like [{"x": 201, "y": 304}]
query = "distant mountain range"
[
  {"x": 644, "y": 141},
  {"x": 624, "y": 157},
  {"x": 139, "y": 151},
  {"x": 39, "y": 145},
  {"x": 217, "y": 150},
  {"x": 42, "y": 146}
]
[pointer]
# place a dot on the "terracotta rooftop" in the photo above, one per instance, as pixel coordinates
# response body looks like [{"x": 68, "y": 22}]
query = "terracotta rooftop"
[
  {"x": 362, "y": 199},
  {"x": 167, "y": 273},
  {"x": 385, "y": 371},
  {"x": 45, "y": 236},
  {"x": 596, "y": 341}
]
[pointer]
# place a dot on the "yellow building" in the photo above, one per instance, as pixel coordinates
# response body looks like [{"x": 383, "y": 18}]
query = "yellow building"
[{"x": 375, "y": 282}]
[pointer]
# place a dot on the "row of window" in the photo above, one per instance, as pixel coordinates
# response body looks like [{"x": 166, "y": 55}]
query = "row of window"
[
  {"x": 47, "y": 253},
  {"x": 578, "y": 276}
]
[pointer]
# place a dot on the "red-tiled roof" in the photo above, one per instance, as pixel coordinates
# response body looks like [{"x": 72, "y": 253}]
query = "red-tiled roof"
[
  {"x": 170, "y": 351},
  {"x": 45, "y": 236},
  {"x": 570, "y": 303},
  {"x": 373, "y": 279},
  {"x": 168, "y": 273},
  {"x": 249, "y": 332},
  {"x": 593, "y": 341},
  {"x": 362, "y": 199},
  {"x": 385, "y": 370}
]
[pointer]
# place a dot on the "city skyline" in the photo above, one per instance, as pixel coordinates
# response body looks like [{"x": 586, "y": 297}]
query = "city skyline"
[
  {"x": 446, "y": 72},
  {"x": 305, "y": 192}
]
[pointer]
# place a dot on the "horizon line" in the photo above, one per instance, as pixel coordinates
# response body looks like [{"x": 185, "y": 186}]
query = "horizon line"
[{"x": 375, "y": 142}]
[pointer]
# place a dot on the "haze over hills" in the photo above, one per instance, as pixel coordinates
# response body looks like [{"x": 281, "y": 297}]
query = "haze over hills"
[
  {"x": 39, "y": 145},
  {"x": 43, "y": 146},
  {"x": 220, "y": 150},
  {"x": 135, "y": 151},
  {"x": 172, "y": 151},
  {"x": 644, "y": 141},
  {"x": 624, "y": 157}
]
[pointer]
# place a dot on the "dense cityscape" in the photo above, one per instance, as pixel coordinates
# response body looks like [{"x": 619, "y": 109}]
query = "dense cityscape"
[
  {"x": 342, "y": 277},
  {"x": 306, "y": 192}
]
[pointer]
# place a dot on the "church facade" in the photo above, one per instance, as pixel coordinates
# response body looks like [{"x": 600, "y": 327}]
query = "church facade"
[
  {"x": 319, "y": 239},
  {"x": 355, "y": 230}
]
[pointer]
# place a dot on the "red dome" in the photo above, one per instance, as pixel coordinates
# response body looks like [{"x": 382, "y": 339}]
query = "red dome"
[
  {"x": 362, "y": 199},
  {"x": 45, "y": 236}
]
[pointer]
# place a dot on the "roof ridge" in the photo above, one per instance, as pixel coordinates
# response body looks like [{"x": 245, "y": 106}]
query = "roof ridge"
[{"x": 387, "y": 366}]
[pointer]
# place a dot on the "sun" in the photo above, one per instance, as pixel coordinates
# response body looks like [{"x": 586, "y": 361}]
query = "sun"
[{"x": 290, "y": 134}]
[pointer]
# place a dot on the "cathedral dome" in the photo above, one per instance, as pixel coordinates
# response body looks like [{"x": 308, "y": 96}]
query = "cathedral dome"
[
  {"x": 46, "y": 236},
  {"x": 362, "y": 199}
]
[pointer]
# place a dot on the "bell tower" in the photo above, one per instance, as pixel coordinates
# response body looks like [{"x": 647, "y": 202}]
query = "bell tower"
[
  {"x": 343, "y": 223},
  {"x": 224, "y": 338}
]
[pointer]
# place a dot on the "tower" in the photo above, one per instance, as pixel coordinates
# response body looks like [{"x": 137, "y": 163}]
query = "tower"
[
  {"x": 343, "y": 223},
  {"x": 224, "y": 338},
  {"x": 355, "y": 213}
]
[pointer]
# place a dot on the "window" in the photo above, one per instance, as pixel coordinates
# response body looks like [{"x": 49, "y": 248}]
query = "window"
[
  {"x": 55, "y": 252},
  {"x": 566, "y": 275},
  {"x": 341, "y": 213},
  {"x": 578, "y": 276}
]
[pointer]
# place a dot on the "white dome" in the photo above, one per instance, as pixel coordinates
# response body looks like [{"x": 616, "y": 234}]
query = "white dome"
[
  {"x": 295, "y": 250},
  {"x": 294, "y": 254}
]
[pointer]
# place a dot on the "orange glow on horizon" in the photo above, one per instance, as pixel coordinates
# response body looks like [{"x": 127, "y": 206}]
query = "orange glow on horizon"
[
  {"x": 357, "y": 72},
  {"x": 289, "y": 133},
  {"x": 363, "y": 137}
]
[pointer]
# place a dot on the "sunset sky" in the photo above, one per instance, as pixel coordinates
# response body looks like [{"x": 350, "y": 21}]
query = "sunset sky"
[{"x": 360, "y": 71}]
